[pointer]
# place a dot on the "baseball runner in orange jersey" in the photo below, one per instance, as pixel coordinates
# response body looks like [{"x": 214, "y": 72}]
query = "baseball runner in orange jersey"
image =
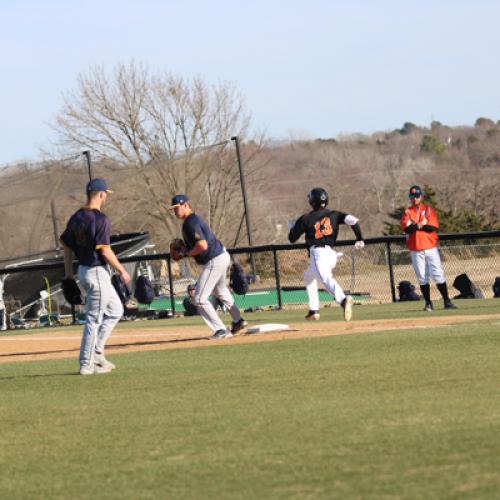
[
  {"x": 420, "y": 223},
  {"x": 321, "y": 227}
]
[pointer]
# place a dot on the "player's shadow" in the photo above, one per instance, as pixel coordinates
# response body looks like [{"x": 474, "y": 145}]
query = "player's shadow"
[
  {"x": 77, "y": 350},
  {"x": 39, "y": 375},
  {"x": 110, "y": 346},
  {"x": 34, "y": 353},
  {"x": 156, "y": 342}
]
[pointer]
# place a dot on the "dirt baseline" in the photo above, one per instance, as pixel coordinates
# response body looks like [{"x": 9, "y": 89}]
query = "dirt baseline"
[{"x": 54, "y": 345}]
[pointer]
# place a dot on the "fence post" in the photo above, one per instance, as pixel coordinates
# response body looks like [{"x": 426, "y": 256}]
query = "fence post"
[
  {"x": 277, "y": 277},
  {"x": 171, "y": 285},
  {"x": 391, "y": 270}
]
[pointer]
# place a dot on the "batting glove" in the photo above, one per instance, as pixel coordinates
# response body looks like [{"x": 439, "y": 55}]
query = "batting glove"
[{"x": 359, "y": 245}]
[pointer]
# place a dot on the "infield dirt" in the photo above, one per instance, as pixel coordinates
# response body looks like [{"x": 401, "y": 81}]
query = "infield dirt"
[{"x": 53, "y": 345}]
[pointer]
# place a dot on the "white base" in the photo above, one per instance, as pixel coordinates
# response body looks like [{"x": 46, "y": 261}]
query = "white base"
[{"x": 267, "y": 327}]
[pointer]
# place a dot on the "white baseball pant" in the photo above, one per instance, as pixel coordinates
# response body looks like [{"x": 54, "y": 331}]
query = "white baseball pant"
[
  {"x": 427, "y": 264},
  {"x": 212, "y": 280},
  {"x": 323, "y": 261},
  {"x": 103, "y": 310}
]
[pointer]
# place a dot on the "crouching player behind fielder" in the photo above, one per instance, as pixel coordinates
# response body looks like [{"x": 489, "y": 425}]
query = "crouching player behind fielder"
[
  {"x": 420, "y": 223},
  {"x": 87, "y": 235},
  {"x": 321, "y": 227}
]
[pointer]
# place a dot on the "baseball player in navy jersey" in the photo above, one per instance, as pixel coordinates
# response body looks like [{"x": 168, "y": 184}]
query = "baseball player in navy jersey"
[
  {"x": 208, "y": 251},
  {"x": 321, "y": 227},
  {"x": 420, "y": 223},
  {"x": 87, "y": 236}
]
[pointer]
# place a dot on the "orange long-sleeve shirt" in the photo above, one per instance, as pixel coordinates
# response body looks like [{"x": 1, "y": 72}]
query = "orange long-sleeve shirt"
[{"x": 420, "y": 239}]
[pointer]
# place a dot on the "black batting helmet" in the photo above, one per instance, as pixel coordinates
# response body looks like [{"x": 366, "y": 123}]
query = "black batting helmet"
[
  {"x": 415, "y": 192},
  {"x": 318, "y": 198}
]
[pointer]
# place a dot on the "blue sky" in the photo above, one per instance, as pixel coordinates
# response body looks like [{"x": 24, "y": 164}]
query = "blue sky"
[{"x": 317, "y": 68}]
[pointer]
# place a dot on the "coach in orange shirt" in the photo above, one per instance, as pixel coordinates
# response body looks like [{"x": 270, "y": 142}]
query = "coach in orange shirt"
[{"x": 420, "y": 223}]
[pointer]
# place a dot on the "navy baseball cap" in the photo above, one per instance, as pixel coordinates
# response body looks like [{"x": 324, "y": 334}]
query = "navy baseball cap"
[
  {"x": 415, "y": 192},
  {"x": 96, "y": 185},
  {"x": 178, "y": 199}
]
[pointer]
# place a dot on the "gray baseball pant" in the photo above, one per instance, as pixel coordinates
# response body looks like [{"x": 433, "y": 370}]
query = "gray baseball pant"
[
  {"x": 212, "y": 280},
  {"x": 103, "y": 309}
]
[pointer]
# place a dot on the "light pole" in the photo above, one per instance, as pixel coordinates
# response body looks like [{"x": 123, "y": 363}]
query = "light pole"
[
  {"x": 89, "y": 162},
  {"x": 245, "y": 204}
]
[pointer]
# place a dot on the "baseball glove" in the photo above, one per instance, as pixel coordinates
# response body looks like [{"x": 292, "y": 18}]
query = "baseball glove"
[
  {"x": 177, "y": 249},
  {"x": 71, "y": 292}
]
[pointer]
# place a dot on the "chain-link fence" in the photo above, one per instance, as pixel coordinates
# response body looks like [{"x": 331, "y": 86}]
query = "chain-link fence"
[
  {"x": 276, "y": 272},
  {"x": 372, "y": 275}
]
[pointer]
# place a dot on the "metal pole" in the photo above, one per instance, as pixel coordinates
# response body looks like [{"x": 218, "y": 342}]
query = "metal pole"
[
  {"x": 239, "y": 230},
  {"x": 89, "y": 163},
  {"x": 245, "y": 204},
  {"x": 353, "y": 270},
  {"x": 54, "y": 223},
  {"x": 278, "y": 279},
  {"x": 49, "y": 302},
  {"x": 391, "y": 271},
  {"x": 171, "y": 285}
]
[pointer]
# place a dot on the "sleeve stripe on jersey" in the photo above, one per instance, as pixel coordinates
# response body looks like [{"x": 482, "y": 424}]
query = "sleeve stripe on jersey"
[{"x": 99, "y": 247}]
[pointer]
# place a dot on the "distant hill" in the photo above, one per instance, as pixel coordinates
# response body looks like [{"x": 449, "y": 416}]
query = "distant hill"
[{"x": 364, "y": 175}]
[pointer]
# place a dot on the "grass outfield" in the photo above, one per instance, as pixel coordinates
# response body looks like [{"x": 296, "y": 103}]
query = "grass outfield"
[{"x": 379, "y": 415}]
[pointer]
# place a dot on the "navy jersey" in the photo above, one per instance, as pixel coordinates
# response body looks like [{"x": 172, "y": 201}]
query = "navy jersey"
[
  {"x": 194, "y": 229},
  {"x": 87, "y": 231},
  {"x": 321, "y": 227}
]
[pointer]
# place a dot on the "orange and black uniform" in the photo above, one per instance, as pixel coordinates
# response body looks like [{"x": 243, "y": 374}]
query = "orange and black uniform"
[
  {"x": 421, "y": 225},
  {"x": 425, "y": 238}
]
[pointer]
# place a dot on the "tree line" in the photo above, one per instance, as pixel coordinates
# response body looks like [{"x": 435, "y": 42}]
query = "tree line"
[{"x": 154, "y": 135}]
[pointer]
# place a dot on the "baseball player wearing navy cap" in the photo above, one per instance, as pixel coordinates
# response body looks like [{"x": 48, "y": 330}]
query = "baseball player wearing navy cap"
[
  {"x": 420, "y": 223},
  {"x": 208, "y": 251},
  {"x": 321, "y": 227},
  {"x": 87, "y": 236}
]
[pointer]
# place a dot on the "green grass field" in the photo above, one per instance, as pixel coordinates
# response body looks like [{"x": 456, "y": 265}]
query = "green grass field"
[{"x": 401, "y": 414}]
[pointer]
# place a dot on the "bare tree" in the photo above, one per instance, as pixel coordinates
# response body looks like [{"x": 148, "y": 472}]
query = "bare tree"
[{"x": 163, "y": 126}]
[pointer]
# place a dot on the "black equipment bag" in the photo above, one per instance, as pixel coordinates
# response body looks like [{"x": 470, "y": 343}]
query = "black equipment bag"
[
  {"x": 121, "y": 288},
  {"x": 237, "y": 280},
  {"x": 466, "y": 288},
  {"x": 144, "y": 290},
  {"x": 407, "y": 291},
  {"x": 496, "y": 287}
]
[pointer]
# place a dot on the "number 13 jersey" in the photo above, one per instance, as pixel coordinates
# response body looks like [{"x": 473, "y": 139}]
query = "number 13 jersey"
[{"x": 321, "y": 227}]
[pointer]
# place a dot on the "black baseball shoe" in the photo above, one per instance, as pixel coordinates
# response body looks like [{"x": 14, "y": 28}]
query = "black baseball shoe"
[
  {"x": 448, "y": 304},
  {"x": 428, "y": 307},
  {"x": 312, "y": 316},
  {"x": 237, "y": 326}
]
